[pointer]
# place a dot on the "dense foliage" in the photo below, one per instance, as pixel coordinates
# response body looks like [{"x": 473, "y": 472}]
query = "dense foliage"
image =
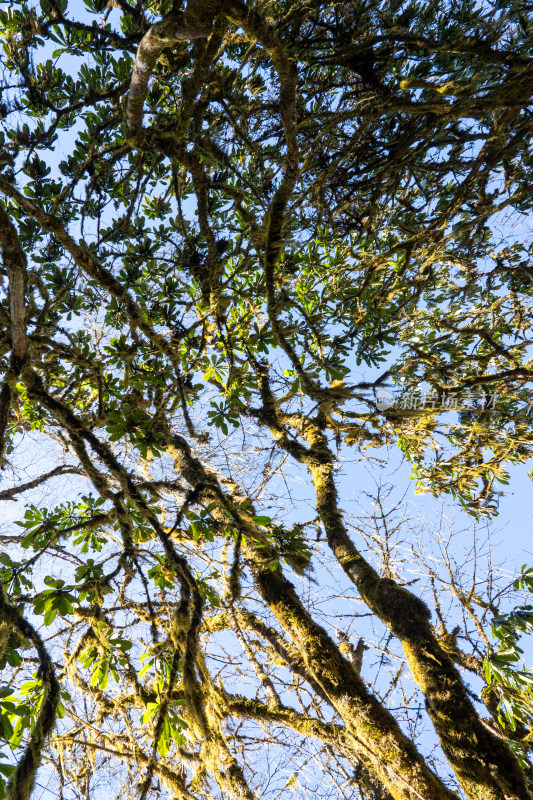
[{"x": 243, "y": 241}]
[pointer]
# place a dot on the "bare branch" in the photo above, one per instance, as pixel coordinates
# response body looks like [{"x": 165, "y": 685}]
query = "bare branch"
[{"x": 8, "y": 494}]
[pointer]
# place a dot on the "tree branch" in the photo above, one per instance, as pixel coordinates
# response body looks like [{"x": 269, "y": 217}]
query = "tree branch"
[
  {"x": 14, "y": 261},
  {"x": 21, "y": 784},
  {"x": 8, "y": 494},
  {"x": 194, "y": 23}
]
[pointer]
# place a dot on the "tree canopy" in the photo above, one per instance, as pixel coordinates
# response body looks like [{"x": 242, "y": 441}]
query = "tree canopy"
[{"x": 244, "y": 240}]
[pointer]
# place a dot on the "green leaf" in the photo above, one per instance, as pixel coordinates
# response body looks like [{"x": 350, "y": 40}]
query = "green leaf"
[{"x": 264, "y": 521}]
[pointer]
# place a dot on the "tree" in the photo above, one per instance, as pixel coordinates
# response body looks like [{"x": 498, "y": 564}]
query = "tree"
[{"x": 212, "y": 215}]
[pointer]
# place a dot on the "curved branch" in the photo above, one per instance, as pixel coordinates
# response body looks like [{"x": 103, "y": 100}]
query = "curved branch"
[
  {"x": 329, "y": 733},
  {"x": 195, "y": 22},
  {"x": 14, "y": 261},
  {"x": 275, "y": 217},
  {"x": 374, "y": 731},
  {"x": 8, "y": 494},
  {"x": 468, "y": 744},
  {"x": 92, "y": 267},
  {"x": 21, "y": 784},
  {"x": 173, "y": 778}
]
